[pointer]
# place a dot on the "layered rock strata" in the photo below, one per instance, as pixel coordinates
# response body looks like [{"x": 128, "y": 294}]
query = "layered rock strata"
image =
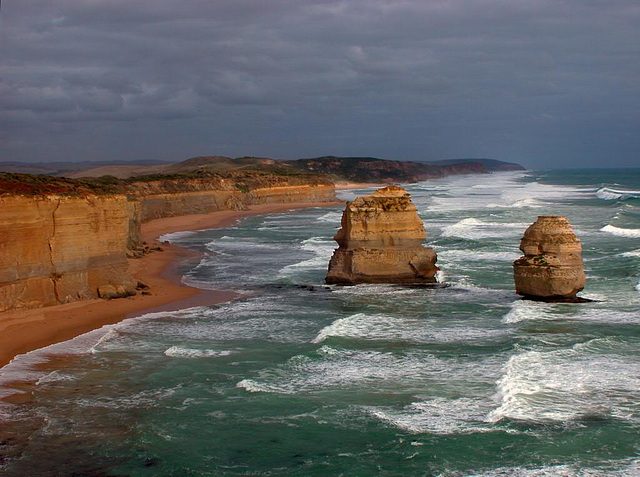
[
  {"x": 551, "y": 268},
  {"x": 157, "y": 205},
  {"x": 61, "y": 249},
  {"x": 381, "y": 242}
]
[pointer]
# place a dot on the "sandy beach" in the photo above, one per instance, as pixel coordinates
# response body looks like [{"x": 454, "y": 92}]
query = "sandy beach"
[{"x": 26, "y": 330}]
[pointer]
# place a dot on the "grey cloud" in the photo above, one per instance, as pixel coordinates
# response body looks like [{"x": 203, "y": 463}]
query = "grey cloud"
[{"x": 406, "y": 79}]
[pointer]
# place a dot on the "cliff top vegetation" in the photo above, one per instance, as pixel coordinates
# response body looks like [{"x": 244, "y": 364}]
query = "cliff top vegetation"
[{"x": 244, "y": 180}]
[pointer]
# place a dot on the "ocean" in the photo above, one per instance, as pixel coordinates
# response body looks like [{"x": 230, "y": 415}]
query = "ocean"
[{"x": 299, "y": 378}]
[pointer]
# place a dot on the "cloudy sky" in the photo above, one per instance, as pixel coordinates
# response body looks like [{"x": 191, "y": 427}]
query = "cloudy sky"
[{"x": 547, "y": 83}]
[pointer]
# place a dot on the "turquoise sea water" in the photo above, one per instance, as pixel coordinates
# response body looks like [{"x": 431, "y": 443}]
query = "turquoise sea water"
[{"x": 297, "y": 378}]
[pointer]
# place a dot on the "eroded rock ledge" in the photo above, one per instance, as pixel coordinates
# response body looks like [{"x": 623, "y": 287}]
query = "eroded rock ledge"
[
  {"x": 381, "y": 242},
  {"x": 551, "y": 268}
]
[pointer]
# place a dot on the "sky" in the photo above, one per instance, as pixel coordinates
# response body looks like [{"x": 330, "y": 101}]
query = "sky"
[{"x": 546, "y": 83}]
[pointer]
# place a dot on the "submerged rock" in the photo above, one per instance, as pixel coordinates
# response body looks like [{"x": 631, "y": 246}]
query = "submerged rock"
[
  {"x": 381, "y": 242},
  {"x": 551, "y": 268}
]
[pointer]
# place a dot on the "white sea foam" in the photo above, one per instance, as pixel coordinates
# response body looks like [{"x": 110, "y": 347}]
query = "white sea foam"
[
  {"x": 503, "y": 191},
  {"x": 524, "y": 310},
  {"x": 374, "y": 290},
  {"x": 25, "y": 366},
  {"x": 568, "y": 384},
  {"x": 175, "y": 236},
  {"x": 633, "y": 253},
  {"x": 319, "y": 245},
  {"x": 621, "y": 232},
  {"x": 331, "y": 217},
  {"x": 143, "y": 399},
  {"x": 180, "y": 352},
  {"x": 322, "y": 248},
  {"x": 466, "y": 291},
  {"x": 626, "y": 467},
  {"x": 332, "y": 368},
  {"x": 111, "y": 334},
  {"x": 255, "y": 387},
  {"x": 418, "y": 330},
  {"x": 238, "y": 244},
  {"x": 466, "y": 255},
  {"x": 370, "y": 371},
  {"x": 118, "y": 336},
  {"x": 260, "y": 317},
  {"x": 607, "y": 193},
  {"x": 355, "y": 325},
  {"x": 474, "y": 229},
  {"x": 54, "y": 377},
  {"x": 518, "y": 204},
  {"x": 438, "y": 416}
]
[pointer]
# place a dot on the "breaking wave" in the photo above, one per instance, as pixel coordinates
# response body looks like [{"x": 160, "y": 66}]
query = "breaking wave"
[
  {"x": 606, "y": 193},
  {"x": 531, "y": 311},
  {"x": 368, "y": 371},
  {"x": 476, "y": 255},
  {"x": 519, "y": 204},
  {"x": 388, "y": 328},
  {"x": 535, "y": 387},
  {"x": 620, "y": 232},
  {"x": 320, "y": 246},
  {"x": 331, "y": 217},
  {"x": 438, "y": 416},
  {"x": 474, "y": 229}
]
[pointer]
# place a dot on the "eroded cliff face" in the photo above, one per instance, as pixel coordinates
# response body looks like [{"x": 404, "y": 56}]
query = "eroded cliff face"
[
  {"x": 297, "y": 193},
  {"x": 60, "y": 249},
  {"x": 551, "y": 268},
  {"x": 381, "y": 242},
  {"x": 158, "y": 205}
]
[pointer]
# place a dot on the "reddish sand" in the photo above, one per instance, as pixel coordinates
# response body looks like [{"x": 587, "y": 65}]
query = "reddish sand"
[{"x": 23, "y": 331}]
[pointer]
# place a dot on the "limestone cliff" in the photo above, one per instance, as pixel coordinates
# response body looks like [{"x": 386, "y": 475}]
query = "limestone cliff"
[
  {"x": 171, "y": 204},
  {"x": 57, "y": 249},
  {"x": 551, "y": 268},
  {"x": 380, "y": 242},
  {"x": 61, "y": 239}
]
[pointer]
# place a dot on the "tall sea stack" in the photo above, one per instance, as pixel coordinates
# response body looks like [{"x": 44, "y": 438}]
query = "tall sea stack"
[
  {"x": 551, "y": 268},
  {"x": 381, "y": 242}
]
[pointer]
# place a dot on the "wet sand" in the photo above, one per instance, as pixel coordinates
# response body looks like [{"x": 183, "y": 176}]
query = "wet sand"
[{"x": 27, "y": 330}]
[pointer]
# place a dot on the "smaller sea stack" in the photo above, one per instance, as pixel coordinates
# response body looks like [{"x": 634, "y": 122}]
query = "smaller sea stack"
[
  {"x": 381, "y": 242},
  {"x": 551, "y": 268}
]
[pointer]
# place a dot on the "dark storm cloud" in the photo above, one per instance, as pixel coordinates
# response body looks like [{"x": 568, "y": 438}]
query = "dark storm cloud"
[{"x": 542, "y": 82}]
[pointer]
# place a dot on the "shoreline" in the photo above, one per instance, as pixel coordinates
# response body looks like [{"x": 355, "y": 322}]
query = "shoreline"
[{"x": 23, "y": 331}]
